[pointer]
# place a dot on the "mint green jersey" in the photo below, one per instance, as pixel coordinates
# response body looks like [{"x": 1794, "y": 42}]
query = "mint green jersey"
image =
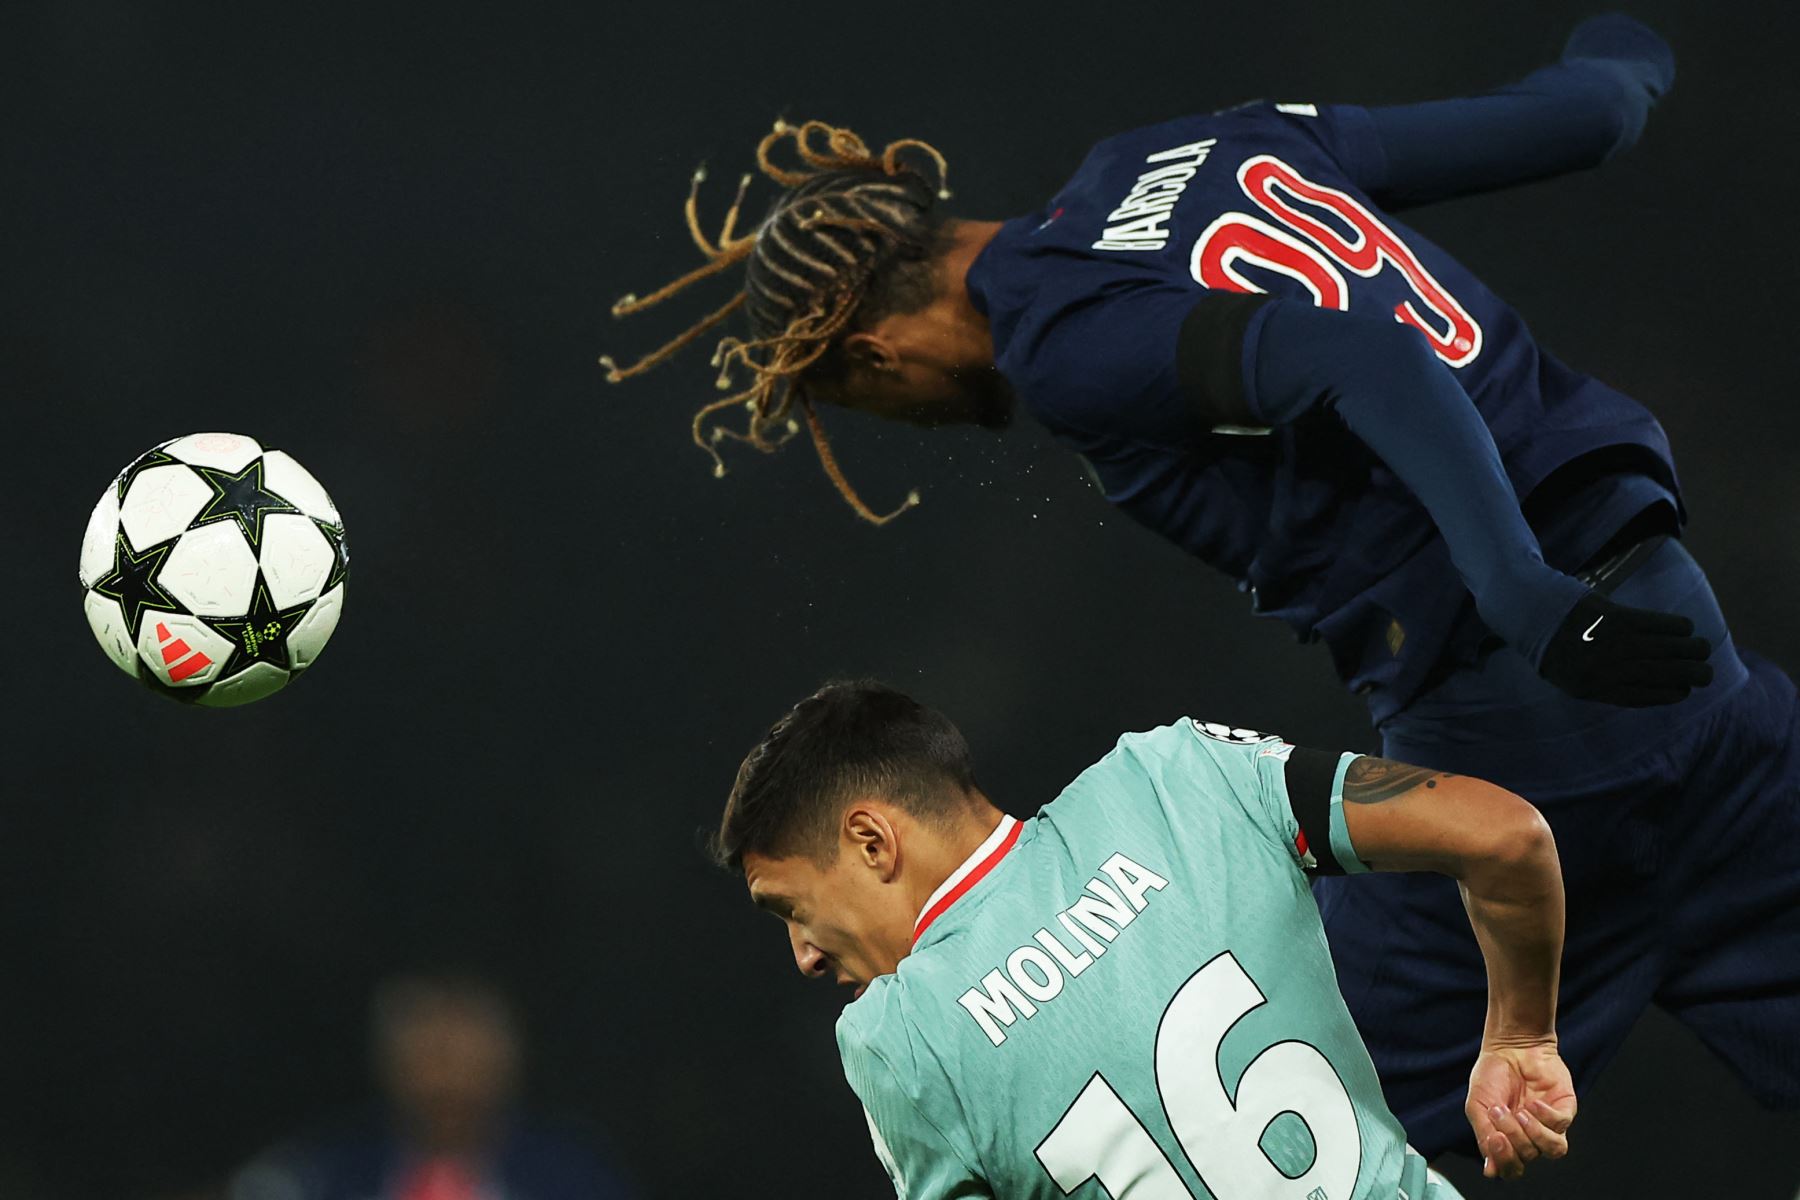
[{"x": 1130, "y": 995}]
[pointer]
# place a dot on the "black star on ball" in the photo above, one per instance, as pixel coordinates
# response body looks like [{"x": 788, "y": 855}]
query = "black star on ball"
[
  {"x": 133, "y": 582},
  {"x": 261, "y": 635},
  {"x": 243, "y": 497},
  {"x": 340, "y": 553}
]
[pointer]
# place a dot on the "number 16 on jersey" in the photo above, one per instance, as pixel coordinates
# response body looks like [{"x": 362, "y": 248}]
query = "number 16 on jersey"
[{"x": 1100, "y": 1138}]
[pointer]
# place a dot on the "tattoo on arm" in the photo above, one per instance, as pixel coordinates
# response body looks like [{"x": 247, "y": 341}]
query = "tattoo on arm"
[{"x": 1372, "y": 780}]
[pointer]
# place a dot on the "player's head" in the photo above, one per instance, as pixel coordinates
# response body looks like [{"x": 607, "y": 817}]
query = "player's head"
[
  {"x": 851, "y": 296},
  {"x": 447, "y": 1055},
  {"x": 845, "y": 817}
]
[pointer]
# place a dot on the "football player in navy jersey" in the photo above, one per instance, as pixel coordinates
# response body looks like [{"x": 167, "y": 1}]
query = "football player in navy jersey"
[{"x": 1223, "y": 317}]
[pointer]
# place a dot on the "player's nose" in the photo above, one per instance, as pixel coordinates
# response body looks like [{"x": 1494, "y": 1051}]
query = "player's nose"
[{"x": 808, "y": 957}]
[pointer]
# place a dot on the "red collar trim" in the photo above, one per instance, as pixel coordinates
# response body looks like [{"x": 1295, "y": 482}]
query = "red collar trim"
[{"x": 972, "y": 871}]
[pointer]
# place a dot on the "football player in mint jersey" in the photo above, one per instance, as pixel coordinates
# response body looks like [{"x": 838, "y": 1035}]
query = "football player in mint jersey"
[
  {"x": 1224, "y": 317},
  {"x": 1131, "y": 990}
]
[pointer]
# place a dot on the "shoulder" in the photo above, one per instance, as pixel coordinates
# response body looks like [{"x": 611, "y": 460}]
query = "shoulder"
[
  {"x": 1343, "y": 132},
  {"x": 1136, "y": 771},
  {"x": 1330, "y": 127},
  {"x": 349, "y": 1152},
  {"x": 1189, "y": 756},
  {"x": 876, "y": 1033},
  {"x": 1191, "y": 737},
  {"x": 1240, "y": 757},
  {"x": 1095, "y": 339},
  {"x": 1245, "y": 119},
  {"x": 1213, "y": 735},
  {"x": 1138, "y": 754},
  {"x": 869, "y": 1017},
  {"x": 886, "y": 1059}
]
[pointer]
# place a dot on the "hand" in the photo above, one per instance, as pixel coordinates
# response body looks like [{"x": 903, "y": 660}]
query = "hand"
[
  {"x": 1627, "y": 656},
  {"x": 1615, "y": 37},
  {"x": 1521, "y": 1101}
]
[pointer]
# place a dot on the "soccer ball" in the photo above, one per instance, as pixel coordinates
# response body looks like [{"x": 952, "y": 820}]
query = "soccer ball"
[{"x": 213, "y": 569}]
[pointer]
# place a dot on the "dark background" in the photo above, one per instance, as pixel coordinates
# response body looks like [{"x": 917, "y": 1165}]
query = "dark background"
[{"x": 388, "y": 243}]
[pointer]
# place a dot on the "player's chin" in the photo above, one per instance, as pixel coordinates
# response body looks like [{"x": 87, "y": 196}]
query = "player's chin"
[
  {"x": 978, "y": 397},
  {"x": 988, "y": 399}
]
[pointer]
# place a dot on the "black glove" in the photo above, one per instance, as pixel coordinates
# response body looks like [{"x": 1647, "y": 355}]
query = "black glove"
[{"x": 1632, "y": 657}]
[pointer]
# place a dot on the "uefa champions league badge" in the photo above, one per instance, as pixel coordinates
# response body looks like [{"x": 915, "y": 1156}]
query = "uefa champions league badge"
[{"x": 1233, "y": 735}]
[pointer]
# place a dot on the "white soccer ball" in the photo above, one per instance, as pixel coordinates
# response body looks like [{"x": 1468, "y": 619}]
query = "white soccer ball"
[{"x": 213, "y": 569}]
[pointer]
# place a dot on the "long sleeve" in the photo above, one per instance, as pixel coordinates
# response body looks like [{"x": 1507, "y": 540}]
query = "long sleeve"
[
  {"x": 926, "y": 1159},
  {"x": 1393, "y": 394},
  {"x": 1567, "y": 117}
]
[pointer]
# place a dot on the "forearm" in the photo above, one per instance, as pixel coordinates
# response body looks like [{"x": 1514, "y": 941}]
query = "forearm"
[
  {"x": 1562, "y": 118},
  {"x": 1515, "y": 906},
  {"x": 1499, "y": 849}
]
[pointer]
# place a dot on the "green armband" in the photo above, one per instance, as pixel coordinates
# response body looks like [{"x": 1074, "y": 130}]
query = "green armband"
[{"x": 1340, "y": 832}]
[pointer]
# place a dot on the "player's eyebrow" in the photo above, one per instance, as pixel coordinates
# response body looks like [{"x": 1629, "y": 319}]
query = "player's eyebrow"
[{"x": 781, "y": 906}]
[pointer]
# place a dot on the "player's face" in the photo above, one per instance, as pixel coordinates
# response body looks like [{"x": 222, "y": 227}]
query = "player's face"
[
  {"x": 450, "y": 1068},
  {"x": 931, "y": 395},
  {"x": 840, "y": 921},
  {"x": 931, "y": 367}
]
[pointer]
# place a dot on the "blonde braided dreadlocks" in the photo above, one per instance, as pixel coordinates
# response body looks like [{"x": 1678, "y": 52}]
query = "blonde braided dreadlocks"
[{"x": 851, "y": 238}]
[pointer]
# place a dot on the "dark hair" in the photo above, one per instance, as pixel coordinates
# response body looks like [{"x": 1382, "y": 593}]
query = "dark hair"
[
  {"x": 849, "y": 737},
  {"x": 854, "y": 238}
]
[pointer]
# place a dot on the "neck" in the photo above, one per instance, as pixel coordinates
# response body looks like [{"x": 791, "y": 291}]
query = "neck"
[
  {"x": 454, "y": 1135},
  {"x": 967, "y": 240},
  {"x": 943, "y": 855}
]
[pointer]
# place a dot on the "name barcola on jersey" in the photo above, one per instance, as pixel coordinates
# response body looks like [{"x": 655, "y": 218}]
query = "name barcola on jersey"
[
  {"x": 1289, "y": 240},
  {"x": 1137, "y": 223},
  {"x": 1036, "y": 972}
]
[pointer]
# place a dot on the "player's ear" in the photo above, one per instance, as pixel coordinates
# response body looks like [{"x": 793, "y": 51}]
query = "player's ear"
[
  {"x": 871, "y": 352},
  {"x": 872, "y": 840}
]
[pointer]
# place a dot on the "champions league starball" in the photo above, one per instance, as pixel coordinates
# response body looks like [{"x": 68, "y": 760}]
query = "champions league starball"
[{"x": 213, "y": 569}]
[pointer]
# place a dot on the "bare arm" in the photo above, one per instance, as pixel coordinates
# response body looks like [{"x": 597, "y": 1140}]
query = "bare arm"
[
  {"x": 1501, "y": 853},
  {"x": 1499, "y": 850}
]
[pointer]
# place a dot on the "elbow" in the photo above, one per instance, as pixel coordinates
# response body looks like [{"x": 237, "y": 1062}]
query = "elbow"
[
  {"x": 1405, "y": 347},
  {"x": 1525, "y": 841},
  {"x": 1352, "y": 358},
  {"x": 1382, "y": 359},
  {"x": 1514, "y": 845},
  {"x": 1373, "y": 371}
]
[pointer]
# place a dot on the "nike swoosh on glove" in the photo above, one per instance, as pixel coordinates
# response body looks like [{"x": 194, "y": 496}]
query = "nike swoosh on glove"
[{"x": 1632, "y": 657}]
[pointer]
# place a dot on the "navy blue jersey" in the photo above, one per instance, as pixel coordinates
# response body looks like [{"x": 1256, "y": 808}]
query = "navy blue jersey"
[{"x": 1086, "y": 299}]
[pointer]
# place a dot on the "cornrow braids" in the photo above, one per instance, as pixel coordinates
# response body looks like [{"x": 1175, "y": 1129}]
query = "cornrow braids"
[{"x": 850, "y": 241}]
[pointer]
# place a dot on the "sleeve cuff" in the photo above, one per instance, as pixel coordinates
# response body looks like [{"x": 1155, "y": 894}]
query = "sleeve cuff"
[
  {"x": 1340, "y": 832},
  {"x": 1617, "y": 37}
]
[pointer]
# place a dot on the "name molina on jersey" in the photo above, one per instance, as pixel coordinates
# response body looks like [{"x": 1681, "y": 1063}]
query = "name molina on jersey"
[
  {"x": 1036, "y": 972},
  {"x": 1138, "y": 222}
]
